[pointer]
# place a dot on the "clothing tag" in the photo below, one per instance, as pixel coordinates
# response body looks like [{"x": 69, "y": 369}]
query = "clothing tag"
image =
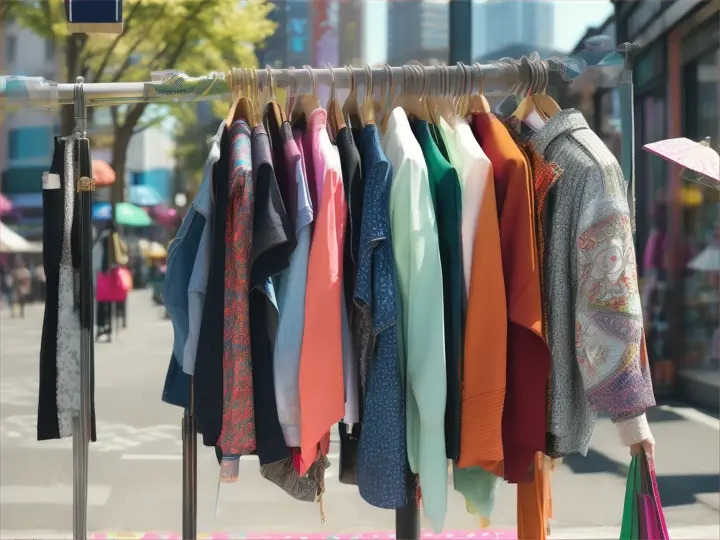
[{"x": 50, "y": 181}]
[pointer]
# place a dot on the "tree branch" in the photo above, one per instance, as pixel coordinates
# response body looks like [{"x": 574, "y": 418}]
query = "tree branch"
[
  {"x": 165, "y": 39},
  {"x": 114, "y": 116},
  {"x": 128, "y": 57},
  {"x": 133, "y": 116},
  {"x": 108, "y": 54}
]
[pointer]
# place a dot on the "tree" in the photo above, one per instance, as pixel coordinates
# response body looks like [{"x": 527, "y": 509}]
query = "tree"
[{"x": 192, "y": 36}]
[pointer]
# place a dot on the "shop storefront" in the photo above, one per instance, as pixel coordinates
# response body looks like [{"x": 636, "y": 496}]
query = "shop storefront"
[
  {"x": 650, "y": 125},
  {"x": 700, "y": 58},
  {"x": 676, "y": 95}
]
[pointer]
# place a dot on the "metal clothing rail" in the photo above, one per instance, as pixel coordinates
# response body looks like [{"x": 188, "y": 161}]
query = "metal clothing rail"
[
  {"x": 172, "y": 86},
  {"x": 505, "y": 75}
]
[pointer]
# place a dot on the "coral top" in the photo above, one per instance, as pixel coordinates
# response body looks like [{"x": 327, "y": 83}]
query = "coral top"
[{"x": 322, "y": 391}]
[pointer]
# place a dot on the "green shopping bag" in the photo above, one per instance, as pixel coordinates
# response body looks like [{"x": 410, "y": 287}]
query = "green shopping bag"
[{"x": 630, "y": 529}]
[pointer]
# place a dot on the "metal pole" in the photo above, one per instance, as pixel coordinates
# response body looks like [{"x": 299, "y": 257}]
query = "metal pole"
[
  {"x": 627, "y": 124},
  {"x": 82, "y": 422},
  {"x": 189, "y": 498},
  {"x": 407, "y": 522},
  {"x": 461, "y": 30}
]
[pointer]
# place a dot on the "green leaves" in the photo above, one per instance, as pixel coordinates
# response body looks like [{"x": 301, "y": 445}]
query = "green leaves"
[{"x": 192, "y": 36}]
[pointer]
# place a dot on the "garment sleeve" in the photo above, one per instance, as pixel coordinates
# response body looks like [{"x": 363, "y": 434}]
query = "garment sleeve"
[{"x": 609, "y": 336}]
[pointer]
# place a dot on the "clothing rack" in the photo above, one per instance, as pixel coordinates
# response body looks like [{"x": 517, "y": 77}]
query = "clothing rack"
[{"x": 508, "y": 76}]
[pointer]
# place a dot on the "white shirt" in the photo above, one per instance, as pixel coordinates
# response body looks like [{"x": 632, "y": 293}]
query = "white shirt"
[{"x": 474, "y": 171}]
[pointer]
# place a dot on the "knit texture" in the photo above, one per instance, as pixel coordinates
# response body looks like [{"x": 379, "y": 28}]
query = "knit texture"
[{"x": 595, "y": 327}]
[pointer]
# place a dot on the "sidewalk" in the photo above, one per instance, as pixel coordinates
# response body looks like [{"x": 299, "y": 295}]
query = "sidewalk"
[
  {"x": 593, "y": 533},
  {"x": 136, "y": 464}
]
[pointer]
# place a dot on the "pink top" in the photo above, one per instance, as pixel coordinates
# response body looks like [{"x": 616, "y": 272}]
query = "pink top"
[{"x": 322, "y": 399}]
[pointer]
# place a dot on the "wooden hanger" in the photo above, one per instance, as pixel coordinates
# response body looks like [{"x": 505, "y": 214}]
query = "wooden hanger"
[
  {"x": 395, "y": 100},
  {"x": 254, "y": 91},
  {"x": 444, "y": 103},
  {"x": 270, "y": 99},
  {"x": 415, "y": 103},
  {"x": 368, "y": 105},
  {"x": 477, "y": 103},
  {"x": 241, "y": 107},
  {"x": 465, "y": 89},
  {"x": 350, "y": 108},
  {"x": 527, "y": 106},
  {"x": 306, "y": 103},
  {"x": 545, "y": 105},
  {"x": 382, "y": 105},
  {"x": 336, "y": 120},
  {"x": 290, "y": 90}
]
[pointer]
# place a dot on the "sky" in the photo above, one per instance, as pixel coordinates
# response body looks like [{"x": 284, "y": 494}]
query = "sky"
[{"x": 572, "y": 18}]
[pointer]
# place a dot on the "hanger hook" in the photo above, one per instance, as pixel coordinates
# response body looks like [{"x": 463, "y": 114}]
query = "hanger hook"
[
  {"x": 332, "y": 82},
  {"x": 351, "y": 78},
  {"x": 290, "y": 85},
  {"x": 79, "y": 98},
  {"x": 368, "y": 82},
  {"x": 546, "y": 76},
  {"x": 269, "y": 82},
  {"x": 389, "y": 85},
  {"x": 311, "y": 74}
]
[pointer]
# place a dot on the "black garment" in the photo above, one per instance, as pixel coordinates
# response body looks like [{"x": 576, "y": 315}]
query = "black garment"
[
  {"x": 209, "y": 367},
  {"x": 273, "y": 243},
  {"x": 53, "y": 222},
  {"x": 53, "y": 227},
  {"x": 278, "y": 134},
  {"x": 354, "y": 191}
]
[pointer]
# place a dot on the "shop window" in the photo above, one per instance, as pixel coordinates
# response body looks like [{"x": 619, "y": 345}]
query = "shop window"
[{"x": 701, "y": 285}]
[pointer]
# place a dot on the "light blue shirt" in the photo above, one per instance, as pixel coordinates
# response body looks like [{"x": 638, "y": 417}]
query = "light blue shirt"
[
  {"x": 291, "y": 303},
  {"x": 199, "y": 277}
]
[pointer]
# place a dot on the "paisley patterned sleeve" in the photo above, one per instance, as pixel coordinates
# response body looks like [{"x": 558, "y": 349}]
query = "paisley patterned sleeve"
[{"x": 609, "y": 336}]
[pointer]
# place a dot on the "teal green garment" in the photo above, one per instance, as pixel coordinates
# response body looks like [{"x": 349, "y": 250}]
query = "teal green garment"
[
  {"x": 447, "y": 202},
  {"x": 421, "y": 331}
]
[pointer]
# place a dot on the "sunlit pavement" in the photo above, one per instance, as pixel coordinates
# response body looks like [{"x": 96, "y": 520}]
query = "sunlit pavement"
[{"x": 135, "y": 467}]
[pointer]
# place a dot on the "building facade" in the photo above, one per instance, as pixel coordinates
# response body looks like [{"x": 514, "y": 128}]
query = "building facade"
[
  {"x": 351, "y": 15},
  {"x": 418, "y": 30},
  {"x": 533, "y": 25},
  {"x": 151, "y": 162},
  {"x": 27, "y": 134},
  {"x": 677, "y": 94}
]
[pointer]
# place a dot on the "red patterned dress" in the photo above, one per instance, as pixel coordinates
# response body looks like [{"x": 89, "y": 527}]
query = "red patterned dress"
[{"x": 237, "y": 437}]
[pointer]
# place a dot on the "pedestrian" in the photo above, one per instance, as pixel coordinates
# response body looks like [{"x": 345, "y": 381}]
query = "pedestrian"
[
  {"x": 21, "y": 285},
  {"x": 6, "y": 286},
  {"x": 39, "y": 277}
]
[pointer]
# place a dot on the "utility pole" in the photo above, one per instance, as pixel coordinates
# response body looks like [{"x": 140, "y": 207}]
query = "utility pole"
[{"x": 461, "y": 22}]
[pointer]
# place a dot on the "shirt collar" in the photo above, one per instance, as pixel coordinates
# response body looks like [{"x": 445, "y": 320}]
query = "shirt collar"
[{"x": 560, "y": 124}]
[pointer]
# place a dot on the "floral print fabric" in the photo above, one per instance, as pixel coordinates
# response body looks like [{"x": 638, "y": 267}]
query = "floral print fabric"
[{"x": 238, "y": 426}]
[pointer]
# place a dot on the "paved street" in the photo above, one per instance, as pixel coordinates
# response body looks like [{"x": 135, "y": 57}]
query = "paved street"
[{"x": 135, "y": 467}]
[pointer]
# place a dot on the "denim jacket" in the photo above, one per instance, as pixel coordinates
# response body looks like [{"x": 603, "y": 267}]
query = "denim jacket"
[{"x": 187, "y": 265}]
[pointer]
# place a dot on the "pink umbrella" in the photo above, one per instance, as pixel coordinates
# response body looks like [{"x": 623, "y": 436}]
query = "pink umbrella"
[
  {"x": 5, "y": 205},
  {"x": 697, "y": 157}
]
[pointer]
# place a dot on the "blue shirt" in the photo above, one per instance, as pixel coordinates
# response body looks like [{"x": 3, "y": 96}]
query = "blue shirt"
[
  {"x": 199, "y": 276},
  {"x": 291, "y": 304},
  {"x": 383, "y": 473},
  {"x": 189, "y": 246}
]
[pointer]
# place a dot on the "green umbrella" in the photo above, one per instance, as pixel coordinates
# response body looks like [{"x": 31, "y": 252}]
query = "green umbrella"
[{"x": 129, "y": 215}]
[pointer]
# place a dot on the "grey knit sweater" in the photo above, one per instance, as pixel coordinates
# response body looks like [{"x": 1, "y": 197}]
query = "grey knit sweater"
[{"x": 590, "y": 290}]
